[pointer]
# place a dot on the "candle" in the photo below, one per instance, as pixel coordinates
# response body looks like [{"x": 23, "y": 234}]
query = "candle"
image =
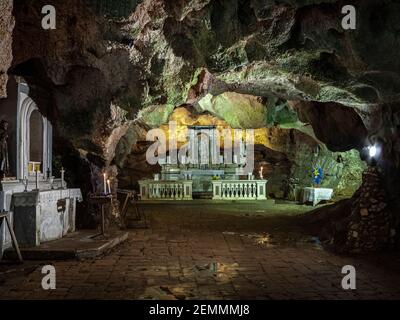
[
  {"x": 104, "y": 181},
  {"x": 109, "y": 187},
  {"x": 261, "y": 173}
]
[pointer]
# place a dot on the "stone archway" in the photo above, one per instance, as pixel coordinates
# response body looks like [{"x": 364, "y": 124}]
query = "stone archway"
[{"x": 27, "y": 108}]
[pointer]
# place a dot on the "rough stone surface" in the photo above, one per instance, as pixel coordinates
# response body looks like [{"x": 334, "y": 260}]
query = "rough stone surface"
[
  {"x": 6, "y": 28},
  {"x": 367, "y": 222},
  {"x": 212, "y": 252},
  {"x": 372, "y": 224}
]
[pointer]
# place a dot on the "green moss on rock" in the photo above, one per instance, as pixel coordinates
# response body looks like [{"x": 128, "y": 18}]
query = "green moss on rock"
[
  {"x": 156, "y": 115},
  {"x": 238, "y": 110}
]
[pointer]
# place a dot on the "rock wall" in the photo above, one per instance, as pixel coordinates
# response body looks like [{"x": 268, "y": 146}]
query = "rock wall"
[
  {"x": 372, "y": 226},
  {"x": 6, "y": 29}
]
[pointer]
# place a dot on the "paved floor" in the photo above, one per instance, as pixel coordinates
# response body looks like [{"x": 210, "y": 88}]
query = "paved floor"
[{"x": 212, "y": 252}]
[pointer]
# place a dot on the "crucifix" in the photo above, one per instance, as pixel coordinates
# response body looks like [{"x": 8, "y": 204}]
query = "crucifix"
[{"x": 62, "y": 177}]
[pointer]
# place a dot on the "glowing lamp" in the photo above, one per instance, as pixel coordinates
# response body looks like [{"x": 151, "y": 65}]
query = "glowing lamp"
[{"x": 372, "y": 151}]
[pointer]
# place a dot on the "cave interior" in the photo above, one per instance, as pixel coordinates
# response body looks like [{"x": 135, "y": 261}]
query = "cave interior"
[{"x": 322, "y": 102}]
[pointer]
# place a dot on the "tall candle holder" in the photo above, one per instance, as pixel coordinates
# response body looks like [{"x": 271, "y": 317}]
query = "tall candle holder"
[
  {"x": 37, "y": 180},
  {"x": 25, "y": 182},
  {"x": 103, "y": 201}
]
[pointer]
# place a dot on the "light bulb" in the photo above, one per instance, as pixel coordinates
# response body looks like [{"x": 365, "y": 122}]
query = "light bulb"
[{"x": 372, "y": 151}]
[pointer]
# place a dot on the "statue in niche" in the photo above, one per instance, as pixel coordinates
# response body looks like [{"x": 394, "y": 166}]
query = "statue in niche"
[{"x": 4, "y": 164}]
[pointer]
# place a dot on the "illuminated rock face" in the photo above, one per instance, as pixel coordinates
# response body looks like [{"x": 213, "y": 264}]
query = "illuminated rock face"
[
  {"x": 171, "y": 53},
  {"x": 283, "y": 152},
  {"x": 6, "y": 28}
]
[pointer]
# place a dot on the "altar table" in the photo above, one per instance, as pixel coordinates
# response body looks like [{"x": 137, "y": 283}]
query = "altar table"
[{"x": 316, "y": 195}]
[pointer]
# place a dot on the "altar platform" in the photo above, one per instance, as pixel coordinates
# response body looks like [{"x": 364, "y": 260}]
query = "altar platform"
[{"x": 80, "y": 244}]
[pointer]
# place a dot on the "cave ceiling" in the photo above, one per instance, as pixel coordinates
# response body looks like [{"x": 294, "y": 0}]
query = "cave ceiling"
[{"x": 96, "y": 77}]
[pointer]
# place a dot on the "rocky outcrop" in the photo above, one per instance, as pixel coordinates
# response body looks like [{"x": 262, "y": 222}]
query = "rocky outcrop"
[
  {"x": 372, "y": 225},
  {"x": 78, "y": 76},
  {"x": 365, "y": 223},
  {"x": 171, "y": 53},
  {"x": 6, "y": 29}
]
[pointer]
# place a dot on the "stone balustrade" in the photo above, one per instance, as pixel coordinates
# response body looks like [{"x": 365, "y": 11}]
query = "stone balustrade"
[
  {"x": 239, "y": 189},
  {"x": 166, "y": 190}
]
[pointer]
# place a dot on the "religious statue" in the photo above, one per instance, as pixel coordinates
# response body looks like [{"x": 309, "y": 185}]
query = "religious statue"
[
  {"x": 318, "y": 175},
  {"x": 4, "y": 164}
]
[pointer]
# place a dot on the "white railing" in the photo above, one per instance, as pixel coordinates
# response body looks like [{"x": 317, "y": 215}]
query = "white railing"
[
  {"x": 166, "y": 190},
  {"x": 239, "y": 189}
]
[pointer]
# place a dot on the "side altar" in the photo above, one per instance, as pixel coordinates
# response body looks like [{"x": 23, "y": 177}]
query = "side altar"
[{"x": 40, "y": 207}]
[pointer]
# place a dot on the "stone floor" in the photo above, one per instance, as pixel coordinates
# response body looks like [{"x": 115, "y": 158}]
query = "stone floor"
[{"x": 211, "y": 251}]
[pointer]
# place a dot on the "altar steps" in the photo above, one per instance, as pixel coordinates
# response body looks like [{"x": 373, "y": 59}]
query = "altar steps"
[{"x": 81, "y": 244}]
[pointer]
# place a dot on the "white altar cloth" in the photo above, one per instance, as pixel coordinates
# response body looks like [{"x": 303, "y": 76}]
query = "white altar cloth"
[{"x": 316, "y": 195}]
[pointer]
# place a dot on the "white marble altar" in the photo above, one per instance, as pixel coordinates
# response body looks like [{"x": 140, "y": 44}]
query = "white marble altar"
[
  {"x": 316, "y": 195},
  {"x": 41, "y": 216},
  {"x": 30, "y": 146},
  {"x": 201, "y": 165},
  {"x": 15, "y": 189}
]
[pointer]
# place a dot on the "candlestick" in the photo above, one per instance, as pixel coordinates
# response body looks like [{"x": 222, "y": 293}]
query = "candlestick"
[
  {"x": 109, "y": 187},
  {"x": 104, "y": 182},
  {"x": 62, "y": 177},
  {"x": 37, "y": 180}
]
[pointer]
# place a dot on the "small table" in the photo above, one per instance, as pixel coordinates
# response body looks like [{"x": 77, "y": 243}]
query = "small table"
[{"x": 315, "y": 195}]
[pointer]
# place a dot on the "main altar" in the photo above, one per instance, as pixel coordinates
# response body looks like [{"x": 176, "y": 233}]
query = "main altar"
[
  {"x": 40, "y": 206},
  {"x": 203, "y": 171}
]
